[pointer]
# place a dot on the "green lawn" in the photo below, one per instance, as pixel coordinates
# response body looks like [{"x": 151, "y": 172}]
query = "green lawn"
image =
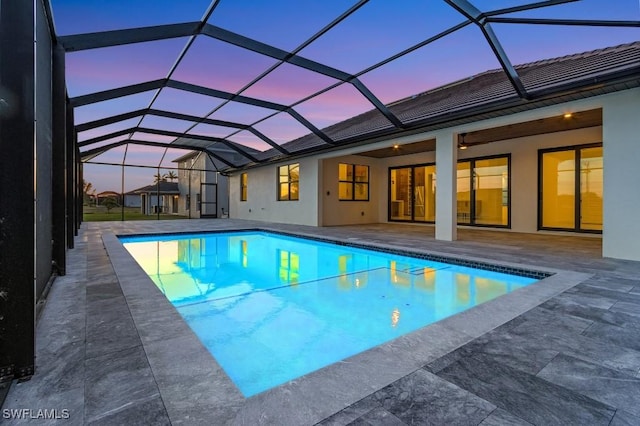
[{"x": 100, "y": 214}]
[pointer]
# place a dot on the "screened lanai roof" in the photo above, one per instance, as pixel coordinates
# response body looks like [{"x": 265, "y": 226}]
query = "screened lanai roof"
[{"x": 248, "y": 82}]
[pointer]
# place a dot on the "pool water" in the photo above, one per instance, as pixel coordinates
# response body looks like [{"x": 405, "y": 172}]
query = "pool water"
[{"x": 271, "y": 308}]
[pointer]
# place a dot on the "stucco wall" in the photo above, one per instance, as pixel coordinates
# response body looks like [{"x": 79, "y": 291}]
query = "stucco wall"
[
  {"x": 262, "y": 202},
  {"x": 619, "y": 135},
  {"x": 196, "y": 176},
  {"x": 336, "y": 212}
]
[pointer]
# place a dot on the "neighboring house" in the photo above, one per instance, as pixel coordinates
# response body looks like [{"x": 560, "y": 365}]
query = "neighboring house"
[
  {"x": 162, "y": 194},
  {"x": 565, "y": 160},
  {"x": 202, "y": 194},
  {"x": 108, "y": 194},
  {"x": 132, "y": 200}
]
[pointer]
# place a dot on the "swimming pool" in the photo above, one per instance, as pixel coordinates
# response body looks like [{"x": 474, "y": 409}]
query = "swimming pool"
[{"x": 271, "y": 308}]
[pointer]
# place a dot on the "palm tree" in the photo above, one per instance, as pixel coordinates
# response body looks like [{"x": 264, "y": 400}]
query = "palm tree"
[
  {"x": 171, "y": 175},
  {"x": 159, "y": 178},
  {"x": 88, "y": 191},
  {"x": 86, "y": 187}
]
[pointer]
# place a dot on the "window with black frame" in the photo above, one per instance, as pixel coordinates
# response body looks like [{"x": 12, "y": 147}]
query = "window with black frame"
[
  {"x": 288, "y": 182},
  {"x": 353, "y": 182}
]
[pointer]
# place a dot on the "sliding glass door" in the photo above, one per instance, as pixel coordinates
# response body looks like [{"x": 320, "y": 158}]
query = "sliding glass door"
[
  {"x": 483, "y": 191},
  {"x": 571, "y": 189},
  {"x": 412, "y": 193}
]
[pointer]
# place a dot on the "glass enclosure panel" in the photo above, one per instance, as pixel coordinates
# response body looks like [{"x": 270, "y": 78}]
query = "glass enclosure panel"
[
  {"x": 212, "y": 130},
  {"x": 288, "y": 84},
  {"x": 457, "y": 56},
  {"x": 558, "y": 189},
  {"x": 424, "y": 209},
  {"x": 237, "y": 112},
  {"x": 172, "y": 154},
  {"x": 249, "y": 140},
  {"x": 114, "y": 155},
  {"x": 334, "y": 106},
  {"x": 401, "y": 198},
  {"x": 491, "y": 191},
  {"x": 522, "y": 42},
  {"x": 219, "y": 65},
  {"x": 591, "y": 188},
  {"x": 102, "y": 143},
  {"x": 76, "y": 17},
  {"x": 464, "y": 192},
  {"x": 282, "y": 128},
  {"x": 142, "y": 136},
  {"x": 105, "y": 130},
  {"x": 142, "y": 155},
  {"x": 490, "y": 5},
  {"x": 403, "y": 26},
  {"x": 190, "y": 103},
  {"x": 584, "y": 9},
  {"x": 116, "y": 106},
  {"x": 280, "y": 23},
  {"x": 94, "y": 70},
  {"x": 164, "y": 123}
]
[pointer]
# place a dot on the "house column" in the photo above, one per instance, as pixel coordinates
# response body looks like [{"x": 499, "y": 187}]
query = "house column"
[
  {"x": 446, "y": 168},
  {"x": 621, "y": 147}
]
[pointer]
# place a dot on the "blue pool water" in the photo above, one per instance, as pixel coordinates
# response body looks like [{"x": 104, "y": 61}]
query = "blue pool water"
[{"x": 271, "y": 308}]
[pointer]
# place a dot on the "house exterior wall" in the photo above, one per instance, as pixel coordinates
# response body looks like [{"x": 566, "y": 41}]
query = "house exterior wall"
[
  {"x": 621, "y": 134},
  {"x": 262, "y": 202},
  {"x": 618, "y": 134},
  {"x": 337, "y": 212},
  {"x": 132, "y": 200},
  {"x": 197, "y": 177}
]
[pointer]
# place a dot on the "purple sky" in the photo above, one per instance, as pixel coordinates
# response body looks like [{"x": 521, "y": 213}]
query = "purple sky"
[{"x": 377, "y": 30}]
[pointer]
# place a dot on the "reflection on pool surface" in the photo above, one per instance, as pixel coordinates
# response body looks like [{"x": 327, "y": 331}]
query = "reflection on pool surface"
[{"x": 271, "y": 308}]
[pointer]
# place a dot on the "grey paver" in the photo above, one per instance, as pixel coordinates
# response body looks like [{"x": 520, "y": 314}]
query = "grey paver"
[{"x": 159, "y": 365}]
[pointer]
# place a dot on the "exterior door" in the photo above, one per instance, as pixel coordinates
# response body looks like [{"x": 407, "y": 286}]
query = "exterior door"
[
  {"x": 412, "y": 193},
  {"x": 571, "y": 183},
  {"x": 208, "y": 199}
]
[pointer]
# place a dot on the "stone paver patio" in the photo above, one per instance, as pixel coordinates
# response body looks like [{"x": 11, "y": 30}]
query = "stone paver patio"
[{"x": 112, "y": 350}]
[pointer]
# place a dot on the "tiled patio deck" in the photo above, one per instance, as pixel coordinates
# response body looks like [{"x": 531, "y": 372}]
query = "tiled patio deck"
[{"x": 112, "y": 352}]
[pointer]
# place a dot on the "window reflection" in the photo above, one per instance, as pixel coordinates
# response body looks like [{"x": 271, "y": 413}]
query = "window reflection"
[
  {"x": 244, "y": 253},
  {"x": 288, "y": 267}
]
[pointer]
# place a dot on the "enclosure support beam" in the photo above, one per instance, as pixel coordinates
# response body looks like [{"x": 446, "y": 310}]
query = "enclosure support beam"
[
  {"x": 17, "y": 176},
  {"x": 78, "y": 189},
  {"x": 71, "y": 177},
  {"x": 59, "y": 196}
]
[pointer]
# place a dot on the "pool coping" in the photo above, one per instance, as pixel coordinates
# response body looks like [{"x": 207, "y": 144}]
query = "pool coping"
[{"x": 180, "y": 362}]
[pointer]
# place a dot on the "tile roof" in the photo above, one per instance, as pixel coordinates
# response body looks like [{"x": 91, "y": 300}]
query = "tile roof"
[
  {"x": 540, "y": 78},
  {"x": 163, "y": 188}
]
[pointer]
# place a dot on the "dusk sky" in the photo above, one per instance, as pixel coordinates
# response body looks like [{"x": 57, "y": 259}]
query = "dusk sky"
[{"x": 379, "y": 29}]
